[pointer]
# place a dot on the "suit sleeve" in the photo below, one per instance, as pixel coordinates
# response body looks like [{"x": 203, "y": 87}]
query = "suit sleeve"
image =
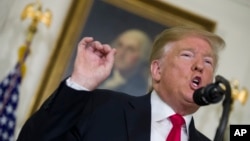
[{"x": 58, "y": 114}]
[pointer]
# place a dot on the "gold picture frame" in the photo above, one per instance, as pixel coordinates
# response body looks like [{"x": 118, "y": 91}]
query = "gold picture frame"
[{"x": 157, "y": 11}]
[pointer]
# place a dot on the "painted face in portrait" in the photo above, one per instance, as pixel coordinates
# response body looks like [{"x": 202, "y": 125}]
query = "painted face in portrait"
[{"x": 130, "y": 48}]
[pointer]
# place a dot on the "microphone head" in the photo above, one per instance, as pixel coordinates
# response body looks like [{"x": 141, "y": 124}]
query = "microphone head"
[
  {"x": 198, "y": 97},
  {"x": 212, "y": 93}
]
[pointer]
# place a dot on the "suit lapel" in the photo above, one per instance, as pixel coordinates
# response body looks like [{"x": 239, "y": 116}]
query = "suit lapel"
[
  {"x": 193, "y": 135},
  {"x": 138, "y": 118}
]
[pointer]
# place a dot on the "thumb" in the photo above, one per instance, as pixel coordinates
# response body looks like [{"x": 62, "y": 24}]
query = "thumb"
[{"x": 111, "y": 58}]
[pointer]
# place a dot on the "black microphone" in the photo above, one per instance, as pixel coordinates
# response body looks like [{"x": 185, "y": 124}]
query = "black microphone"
[{"x": 210, "y": 94}]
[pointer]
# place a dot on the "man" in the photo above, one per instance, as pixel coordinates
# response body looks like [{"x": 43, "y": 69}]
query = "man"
[
  {"x": 182, "y": 60},
  {"x": 130, "y": 71}
]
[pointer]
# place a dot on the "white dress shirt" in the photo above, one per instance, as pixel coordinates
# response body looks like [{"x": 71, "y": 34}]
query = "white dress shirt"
[
  {"x": 160, "y": 111},
  {"x": 74, "y": 85},
  {"x": 160, "y": 124}
]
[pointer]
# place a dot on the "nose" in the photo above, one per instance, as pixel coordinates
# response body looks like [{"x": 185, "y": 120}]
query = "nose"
[{"x": 198, "y": 66}]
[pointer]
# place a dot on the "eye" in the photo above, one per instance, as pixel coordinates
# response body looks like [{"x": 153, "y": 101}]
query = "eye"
[
  {"x": 118, "y": 45},
  {"x": 209, "y": 61},
  {"x": 187, "y": 54}
]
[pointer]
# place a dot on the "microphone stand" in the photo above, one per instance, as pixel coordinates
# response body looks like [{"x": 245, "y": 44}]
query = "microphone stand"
[{"x": 226, "y": 110}]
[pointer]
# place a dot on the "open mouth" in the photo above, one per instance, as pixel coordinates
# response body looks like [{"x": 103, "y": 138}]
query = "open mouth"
[{"x": 196, "y": 81}]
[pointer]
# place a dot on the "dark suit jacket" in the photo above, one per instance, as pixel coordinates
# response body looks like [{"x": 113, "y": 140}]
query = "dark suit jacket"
[{"x": 100, "y": 115}]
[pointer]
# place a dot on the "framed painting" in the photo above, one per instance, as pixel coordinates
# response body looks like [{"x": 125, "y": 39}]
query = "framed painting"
[{"x": 107, "y": 21}]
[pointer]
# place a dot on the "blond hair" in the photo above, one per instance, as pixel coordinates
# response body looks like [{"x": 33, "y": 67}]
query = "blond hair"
[{"x": 179, "y": 32}]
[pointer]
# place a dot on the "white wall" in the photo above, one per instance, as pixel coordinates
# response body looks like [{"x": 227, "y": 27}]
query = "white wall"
[
  {"x": 233, "y": 20},
  {"x": 12, "y": 36}
]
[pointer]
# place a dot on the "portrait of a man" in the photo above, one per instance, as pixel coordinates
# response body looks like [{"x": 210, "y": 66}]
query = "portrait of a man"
[
  {"x": 130, "y": 73},
  {"x": 132, "y": 37}
]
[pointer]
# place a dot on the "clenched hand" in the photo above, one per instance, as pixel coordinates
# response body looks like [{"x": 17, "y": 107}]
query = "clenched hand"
[{"x": 93, "y": 63}]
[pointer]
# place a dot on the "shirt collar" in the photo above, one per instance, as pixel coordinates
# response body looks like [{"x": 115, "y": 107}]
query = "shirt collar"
[{"x": 161, "y": 110}]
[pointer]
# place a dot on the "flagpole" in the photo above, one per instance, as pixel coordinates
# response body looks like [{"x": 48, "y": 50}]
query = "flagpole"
[
  {"x": 35, "y": 13},
  {"x": 9, "y": 87}
]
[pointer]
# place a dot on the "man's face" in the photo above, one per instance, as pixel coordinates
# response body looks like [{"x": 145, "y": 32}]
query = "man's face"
[
  {"x": 186, "y": 66},
  {"x": 128, "y": 53}
]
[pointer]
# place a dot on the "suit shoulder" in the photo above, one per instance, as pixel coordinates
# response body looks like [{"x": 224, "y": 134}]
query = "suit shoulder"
[{"x": 104, "y": 94}]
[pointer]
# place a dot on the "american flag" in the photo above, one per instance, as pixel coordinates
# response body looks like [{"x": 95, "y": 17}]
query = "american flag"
[{"x": 9, "y": 95}]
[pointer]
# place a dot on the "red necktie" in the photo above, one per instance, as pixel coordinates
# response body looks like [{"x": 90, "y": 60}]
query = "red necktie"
[{"x": 175, "y": 133}]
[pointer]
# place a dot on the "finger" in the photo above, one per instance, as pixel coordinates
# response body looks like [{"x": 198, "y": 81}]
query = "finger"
[
  {"x": 103, "y": 48},
  {"x": 85, "y": 41},
  {"x": 110, "y": 57},
  {"x": 100, "y": 49},
  {"x": 106, "y": 48},
  {"x": 98, "y": 46}
]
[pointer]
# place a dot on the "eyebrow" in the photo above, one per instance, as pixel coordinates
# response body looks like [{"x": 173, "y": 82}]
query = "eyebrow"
[{"x": 192, "y": 50}]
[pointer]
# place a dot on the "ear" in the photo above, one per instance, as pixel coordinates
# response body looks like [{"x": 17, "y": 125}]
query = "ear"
[{"x": 155, "y": 70}]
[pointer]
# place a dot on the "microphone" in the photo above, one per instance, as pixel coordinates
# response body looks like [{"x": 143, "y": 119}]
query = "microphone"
[{"x": 210, "y": 94}]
